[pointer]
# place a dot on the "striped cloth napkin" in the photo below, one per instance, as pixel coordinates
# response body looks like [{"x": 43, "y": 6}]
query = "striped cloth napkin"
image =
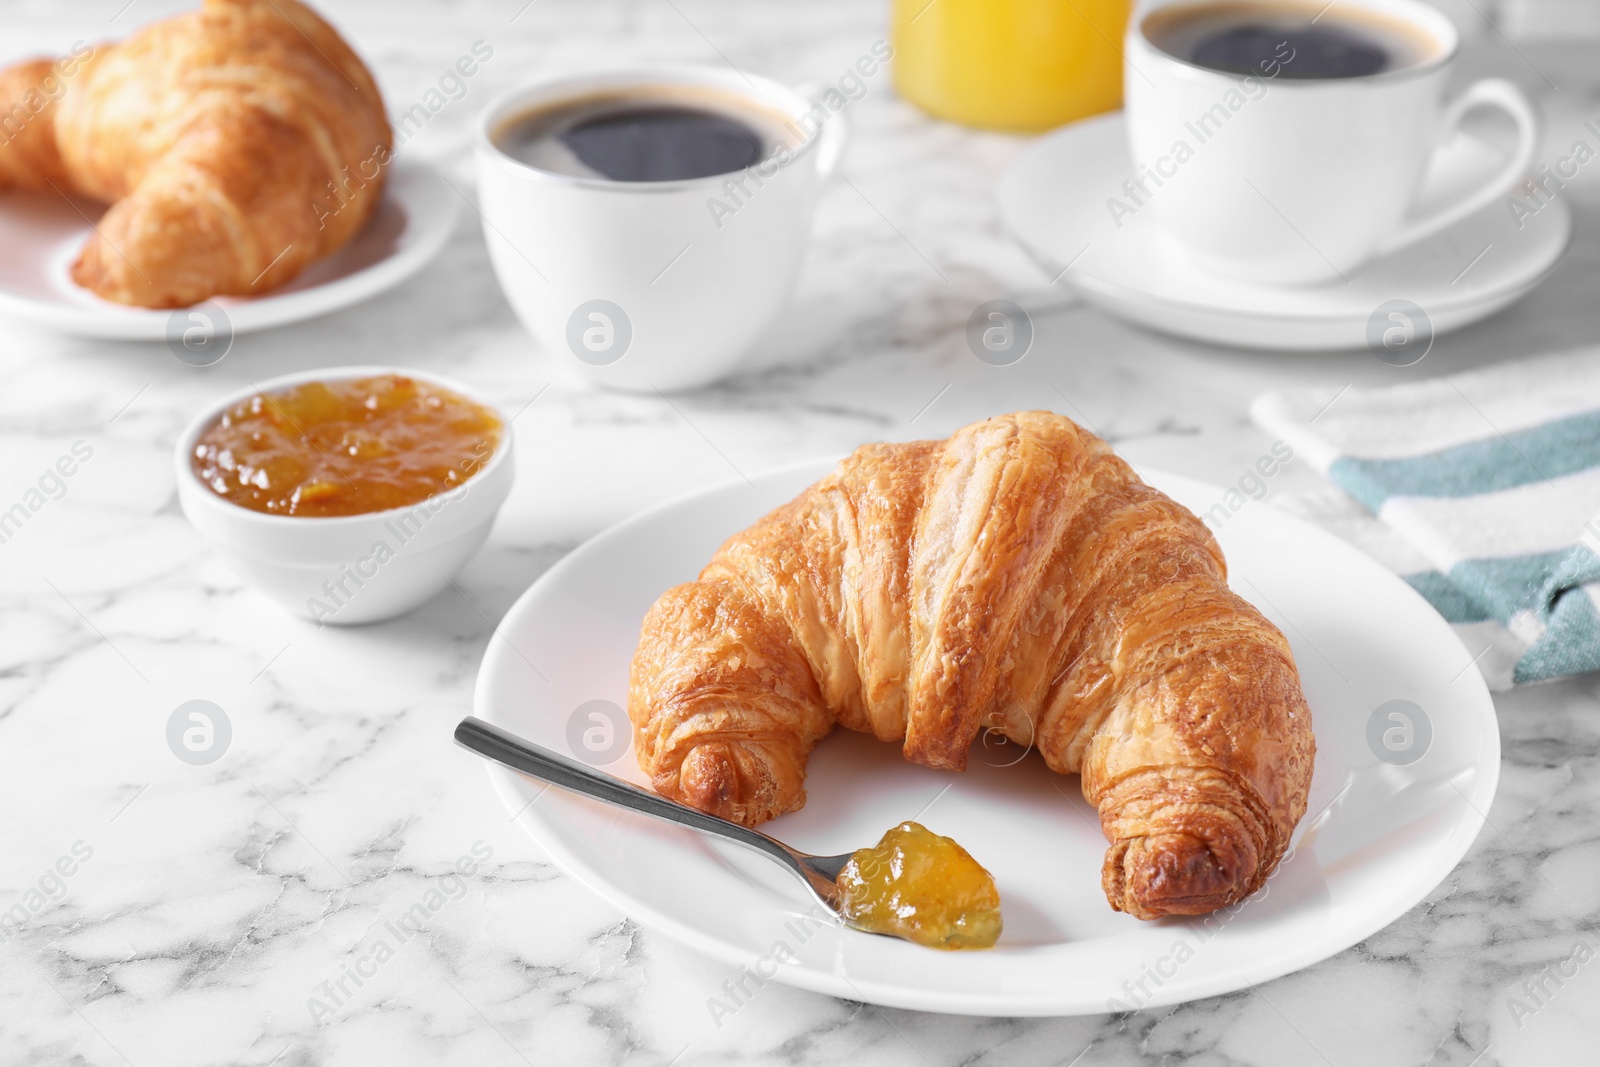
[{"x": 1481, "y": 489}]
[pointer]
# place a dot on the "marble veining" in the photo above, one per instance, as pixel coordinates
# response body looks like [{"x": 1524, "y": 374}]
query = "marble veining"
[{"x": 232, "y": 913}]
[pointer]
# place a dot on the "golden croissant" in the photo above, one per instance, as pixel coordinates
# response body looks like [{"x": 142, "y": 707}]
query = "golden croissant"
[
  {"x": 1019, "y": 577},
  {"x": 235, "y": 144}
]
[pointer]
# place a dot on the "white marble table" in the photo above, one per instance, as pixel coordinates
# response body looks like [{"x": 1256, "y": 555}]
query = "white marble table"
[{"x": 207, "y": 905}]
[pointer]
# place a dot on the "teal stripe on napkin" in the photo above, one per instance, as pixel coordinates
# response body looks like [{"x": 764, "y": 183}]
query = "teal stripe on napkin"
[
  {"x": 1569, "y": 645},
  {"x": 1506, "y": 586},
  {"x": 1550, "y": 450}
]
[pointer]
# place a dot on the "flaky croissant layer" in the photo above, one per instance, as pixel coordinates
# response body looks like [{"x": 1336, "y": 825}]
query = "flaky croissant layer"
[{"x": 1017, "y": 576}]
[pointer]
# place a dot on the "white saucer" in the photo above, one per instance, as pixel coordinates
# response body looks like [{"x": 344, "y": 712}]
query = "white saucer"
[
  {"x": 1054, "y": 200},
  {"x": 42, "y": 233},
  {"x": 1377, "y": 838}
]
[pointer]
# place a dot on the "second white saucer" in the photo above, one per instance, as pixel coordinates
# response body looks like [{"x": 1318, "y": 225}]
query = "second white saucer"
[{"x": 1064, "y": 199}]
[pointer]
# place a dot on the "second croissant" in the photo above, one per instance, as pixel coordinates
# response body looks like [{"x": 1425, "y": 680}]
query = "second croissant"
[{"x": 235, "y": 144}]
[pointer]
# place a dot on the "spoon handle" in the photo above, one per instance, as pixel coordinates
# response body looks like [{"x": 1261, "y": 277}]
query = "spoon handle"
[{"x": 536, "y": 762}]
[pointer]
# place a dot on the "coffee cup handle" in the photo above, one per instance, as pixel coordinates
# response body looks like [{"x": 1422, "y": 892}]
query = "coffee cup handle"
[
  {"x": 1490, "y": 92},
  {"x": 833, "y": 138}
]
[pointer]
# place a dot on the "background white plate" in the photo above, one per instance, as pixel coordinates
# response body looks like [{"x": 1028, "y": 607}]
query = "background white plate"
[
  {"x": 1053, "y": 199},
  {"x": 1388, "y": 834},
  {"x": 41, "y": 235}
]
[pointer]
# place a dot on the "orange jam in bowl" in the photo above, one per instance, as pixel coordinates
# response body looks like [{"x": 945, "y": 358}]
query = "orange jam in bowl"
[{"x": 325, "y": 449}]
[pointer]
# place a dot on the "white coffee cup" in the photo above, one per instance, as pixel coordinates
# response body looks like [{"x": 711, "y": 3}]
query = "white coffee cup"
[
  {"x": 1299, "y": 182},
  {"x": 657, "y": 285}
]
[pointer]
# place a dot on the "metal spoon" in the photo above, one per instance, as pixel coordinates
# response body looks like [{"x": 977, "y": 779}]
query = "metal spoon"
[{"x": 817, "y": 872}]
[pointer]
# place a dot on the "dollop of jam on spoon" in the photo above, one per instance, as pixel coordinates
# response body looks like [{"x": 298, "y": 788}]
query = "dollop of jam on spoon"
[{"x": 923, "y": 887}]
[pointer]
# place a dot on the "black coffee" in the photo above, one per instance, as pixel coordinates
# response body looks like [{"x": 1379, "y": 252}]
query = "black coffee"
[
  {"x": 639, "y": 138},
  {"x": 1286, "y": 40},
  {"x": 1319, "y": 52}
]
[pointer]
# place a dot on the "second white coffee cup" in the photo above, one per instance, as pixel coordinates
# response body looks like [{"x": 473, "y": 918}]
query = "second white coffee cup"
[
  {"x": 1284, "y": 181},
  {"x": 653, "y": 285}
]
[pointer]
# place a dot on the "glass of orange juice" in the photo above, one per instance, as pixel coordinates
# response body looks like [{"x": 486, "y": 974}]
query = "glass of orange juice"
[{"x": 1021, "y": 65}]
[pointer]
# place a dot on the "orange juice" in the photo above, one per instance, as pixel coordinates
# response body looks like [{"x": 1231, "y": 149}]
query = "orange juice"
[{"x": 1019, "y": 65}]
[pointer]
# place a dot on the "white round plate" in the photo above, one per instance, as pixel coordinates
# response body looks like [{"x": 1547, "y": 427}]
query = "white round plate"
[
  {"x": 1054, "y": 200},
  {"x": 1376, "y": 840},
  {"x": 41, "y": 235}
]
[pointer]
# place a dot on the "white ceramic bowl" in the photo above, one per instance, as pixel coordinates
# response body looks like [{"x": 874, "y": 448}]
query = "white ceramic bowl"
[{"x": 355, "y": 568}]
